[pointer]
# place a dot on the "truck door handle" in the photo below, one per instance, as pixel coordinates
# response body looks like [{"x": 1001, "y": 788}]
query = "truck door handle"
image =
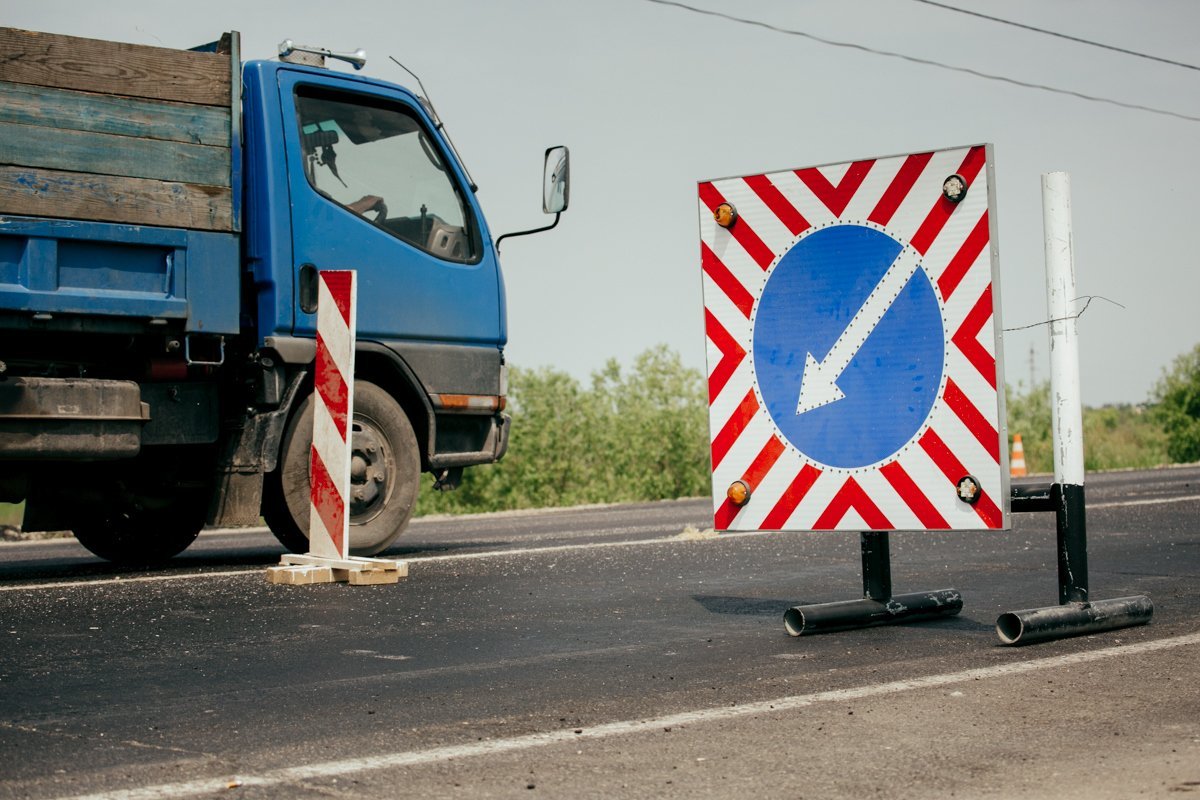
[{"x": 308, "y": 289}]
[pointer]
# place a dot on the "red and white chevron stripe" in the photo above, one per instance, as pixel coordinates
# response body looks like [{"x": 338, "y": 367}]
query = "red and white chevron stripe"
[
  {"x": 915, "y": 488},
  {"x": 329, "y": 522}
]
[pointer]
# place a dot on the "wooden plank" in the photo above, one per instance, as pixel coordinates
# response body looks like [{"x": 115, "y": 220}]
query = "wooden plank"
[
  {"x": 137, "y": 201},
  {"x": 131, "y": 70},
  {"x": 123, "y": 116},
  {"x": 353, "y": 562},
  {"x": 371, "y": 577},
  {"x": 306, "y": 574},
  {"x": 299, "y": 576},
  {"x": 104, "y": 154}
]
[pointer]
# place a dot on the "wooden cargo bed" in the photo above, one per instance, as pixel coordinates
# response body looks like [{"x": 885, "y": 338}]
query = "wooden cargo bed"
[{"x": 113, "y": 132}]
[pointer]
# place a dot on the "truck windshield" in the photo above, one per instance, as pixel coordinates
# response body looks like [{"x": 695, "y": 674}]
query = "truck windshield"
[{"x": 379, "y": 161}]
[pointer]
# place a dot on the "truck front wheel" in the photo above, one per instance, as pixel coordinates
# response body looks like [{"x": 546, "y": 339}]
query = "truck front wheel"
[{"x": 385, "y": 474}]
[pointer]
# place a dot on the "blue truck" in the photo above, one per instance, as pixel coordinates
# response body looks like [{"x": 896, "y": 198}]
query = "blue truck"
[{"x": 164, "y": 215}]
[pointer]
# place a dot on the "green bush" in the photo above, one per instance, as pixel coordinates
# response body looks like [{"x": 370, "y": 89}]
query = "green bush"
[
  {"x": 1178, "y": 397},
  {"x": 633, "y": 436},
  {"x": 1029, "y": 416},
  {"x": 1122, "y": 437},
  {"x": 1114, "y": 437}
]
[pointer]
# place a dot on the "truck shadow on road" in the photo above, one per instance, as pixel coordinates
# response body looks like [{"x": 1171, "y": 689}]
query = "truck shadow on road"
[
  {"x": 33, "y": 570},
  {"x": 18, "y": 567}
]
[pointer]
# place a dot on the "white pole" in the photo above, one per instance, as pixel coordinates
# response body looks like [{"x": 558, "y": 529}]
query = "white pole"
[{"x": 1066, "y": 404}]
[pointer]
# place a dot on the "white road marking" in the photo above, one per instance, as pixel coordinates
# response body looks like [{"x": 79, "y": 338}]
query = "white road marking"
[
  {"x": 587, "y": 546},
  {"x": 503, "y": 553},
  {"x": 1191, "y": 498},
  {"x": 330, "y": 769},
  {"x": 119, "y": 580},
  {"x": 411, "y": 561}
]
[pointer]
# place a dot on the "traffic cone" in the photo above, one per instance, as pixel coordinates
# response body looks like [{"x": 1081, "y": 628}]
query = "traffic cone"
[{"x": 1017, "y": 463}]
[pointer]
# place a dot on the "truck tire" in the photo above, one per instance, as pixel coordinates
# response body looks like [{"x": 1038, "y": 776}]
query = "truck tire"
[
  {"x": 385, "y": 475},
  {"x": 146, "y": 531}
]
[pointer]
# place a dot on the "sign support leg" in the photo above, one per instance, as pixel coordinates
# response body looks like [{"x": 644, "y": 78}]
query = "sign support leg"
[
  {"x": 1071, "y": 523},
  {"x": 878, "y": 606},
  {"x": 876, "y": 566},
  {"x": 1075, "y": 614}
]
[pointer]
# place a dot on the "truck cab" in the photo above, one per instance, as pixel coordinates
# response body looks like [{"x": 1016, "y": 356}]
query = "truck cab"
[
  {"x": 323, "y": 170},
  {"x": 360, "y": 178}
]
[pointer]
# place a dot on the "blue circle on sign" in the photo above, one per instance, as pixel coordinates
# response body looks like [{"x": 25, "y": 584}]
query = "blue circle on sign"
[{"x": 888, "y": 381}]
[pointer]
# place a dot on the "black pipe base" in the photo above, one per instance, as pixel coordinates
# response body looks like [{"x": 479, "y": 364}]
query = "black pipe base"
[
  {"x": 1073, "y": 619},
  {"x": 851, "y": 614}
]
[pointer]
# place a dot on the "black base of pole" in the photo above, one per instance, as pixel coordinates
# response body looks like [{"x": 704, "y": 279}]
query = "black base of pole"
[
  {"x": 1073, "y": 619},
  {"x": 849, "y": 614},
  {"x": 1076, "y": 614}
]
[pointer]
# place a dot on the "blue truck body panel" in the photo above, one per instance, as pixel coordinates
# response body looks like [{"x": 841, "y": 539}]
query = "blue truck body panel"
[{"x": 50, "y": 266}]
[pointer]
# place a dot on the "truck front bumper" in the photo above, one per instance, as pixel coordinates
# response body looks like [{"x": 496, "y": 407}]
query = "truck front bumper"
[{"x": 465, "y": 440}]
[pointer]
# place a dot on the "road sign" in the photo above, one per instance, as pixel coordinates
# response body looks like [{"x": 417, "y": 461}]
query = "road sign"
[
  {"x": 333, "y": 392},
  {"x": 852, "y": 315},
  {"x": 330, "y": 458}
]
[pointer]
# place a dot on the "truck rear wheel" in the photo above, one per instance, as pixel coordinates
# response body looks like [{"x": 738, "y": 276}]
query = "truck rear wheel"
[
  {"x": 145, "y": 529},
  {"x": 385, "y": 474}
]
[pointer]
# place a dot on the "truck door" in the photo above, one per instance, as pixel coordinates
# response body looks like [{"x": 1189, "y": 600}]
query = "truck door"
[{"x": 373, "y": 189}]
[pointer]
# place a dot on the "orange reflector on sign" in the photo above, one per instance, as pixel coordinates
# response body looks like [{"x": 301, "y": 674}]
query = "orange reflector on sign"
[{"x": 738, "y": 493}]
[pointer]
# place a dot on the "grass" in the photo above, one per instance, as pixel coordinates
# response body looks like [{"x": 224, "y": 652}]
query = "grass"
[{"x": 11, "y": 514}]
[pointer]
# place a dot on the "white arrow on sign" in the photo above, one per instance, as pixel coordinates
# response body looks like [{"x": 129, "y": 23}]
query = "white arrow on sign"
[{"x": 818, "y": 383}]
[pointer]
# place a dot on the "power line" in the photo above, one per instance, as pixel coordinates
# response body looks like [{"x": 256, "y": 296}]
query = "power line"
[
  {"x": 926, "y": 61},
  {"x": 1068, "y": 37}
]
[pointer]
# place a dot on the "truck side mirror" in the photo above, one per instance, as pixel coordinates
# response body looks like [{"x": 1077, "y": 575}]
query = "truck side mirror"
[
  {"x": 556, "y": 182},
  {"x": 556, "y": 190}
]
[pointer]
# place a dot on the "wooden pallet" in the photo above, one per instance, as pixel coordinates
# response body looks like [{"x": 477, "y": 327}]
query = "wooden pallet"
[{"x": 299, "y": 570}]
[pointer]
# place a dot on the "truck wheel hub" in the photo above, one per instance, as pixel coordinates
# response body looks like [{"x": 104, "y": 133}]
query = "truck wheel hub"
[{"x": 368, "y": 473}]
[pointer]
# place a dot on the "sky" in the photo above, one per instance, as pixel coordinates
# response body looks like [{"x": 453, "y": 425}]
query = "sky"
[{"x": 653, "y": 98}]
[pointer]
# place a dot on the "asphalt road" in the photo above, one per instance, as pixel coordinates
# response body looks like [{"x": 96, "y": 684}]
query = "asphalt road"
[{"x": 613, "y": 652}]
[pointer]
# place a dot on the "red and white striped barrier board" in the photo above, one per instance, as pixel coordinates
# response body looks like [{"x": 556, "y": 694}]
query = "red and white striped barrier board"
[
  {"x": 854, "y": 356},
  {"x": 329, "y": 521}
]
